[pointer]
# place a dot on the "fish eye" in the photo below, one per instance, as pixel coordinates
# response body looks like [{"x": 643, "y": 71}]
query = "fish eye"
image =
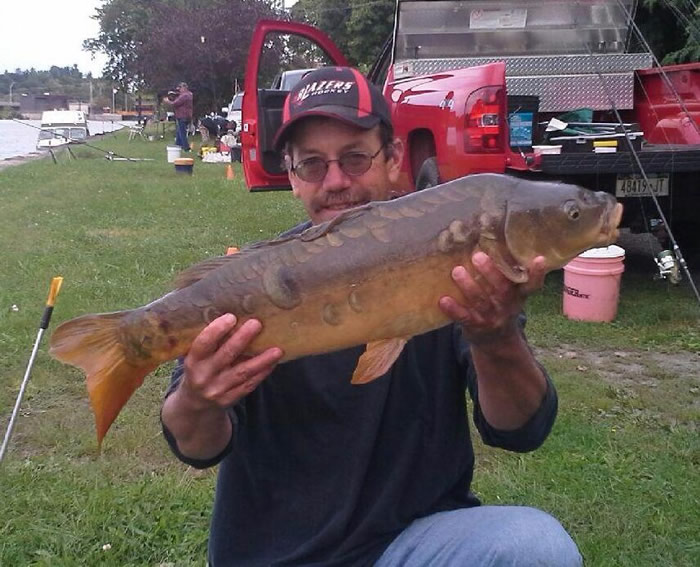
[{"x": 572, "y": 211}]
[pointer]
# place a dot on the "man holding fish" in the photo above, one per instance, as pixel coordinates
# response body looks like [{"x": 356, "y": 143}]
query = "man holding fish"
[{"x": 315, "y": 470}]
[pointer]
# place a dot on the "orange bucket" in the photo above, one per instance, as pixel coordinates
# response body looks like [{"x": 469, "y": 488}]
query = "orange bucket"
[{"x": 184, "y": 165}]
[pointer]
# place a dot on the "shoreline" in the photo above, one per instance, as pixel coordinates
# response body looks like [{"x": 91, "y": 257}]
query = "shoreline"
[
  {"x": 34, "y": 153},
  {"x": 19, "y": 160}
]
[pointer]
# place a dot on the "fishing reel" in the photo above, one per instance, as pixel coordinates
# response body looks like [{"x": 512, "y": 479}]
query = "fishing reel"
[
  {"x": 668, "y": 267},
  {"x": 665, "y": 260}
]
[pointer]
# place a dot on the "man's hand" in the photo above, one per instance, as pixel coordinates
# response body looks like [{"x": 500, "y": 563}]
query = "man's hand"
[
  {"x": 511, "y": 384},
  {"x": 217, "y": 373},
  {"x": 490, "y": 302}
]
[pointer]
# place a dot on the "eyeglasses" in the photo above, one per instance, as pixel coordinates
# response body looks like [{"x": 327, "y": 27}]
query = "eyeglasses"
[{"x": 354, "y": 164}]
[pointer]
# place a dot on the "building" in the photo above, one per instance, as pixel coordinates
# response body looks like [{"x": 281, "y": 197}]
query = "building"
[
  {"x": 79, "y": 105},
  {"x": 31, "y": 106}
]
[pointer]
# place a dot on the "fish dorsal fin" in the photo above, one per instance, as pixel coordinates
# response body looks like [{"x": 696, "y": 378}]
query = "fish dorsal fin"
[
  {"x": 377, "y": 359},
  {"x": 200, "y": 270},
  {"x": 319, "y": 230}
]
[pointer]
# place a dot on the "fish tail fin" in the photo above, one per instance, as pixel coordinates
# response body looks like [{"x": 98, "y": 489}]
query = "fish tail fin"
[{"x": 92, "y": 343}]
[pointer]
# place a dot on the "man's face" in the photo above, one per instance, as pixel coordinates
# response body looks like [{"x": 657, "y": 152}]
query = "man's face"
[{"x": 330, "y": 139}]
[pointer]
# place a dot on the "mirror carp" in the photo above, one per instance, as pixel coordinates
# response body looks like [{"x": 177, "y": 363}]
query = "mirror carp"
[{"x": 373, "y": 275}]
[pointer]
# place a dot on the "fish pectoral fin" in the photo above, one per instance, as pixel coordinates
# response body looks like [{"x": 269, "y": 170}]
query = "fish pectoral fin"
[
  {"x": 505, "y": 261},
  {"x": 377, "y": 359}
]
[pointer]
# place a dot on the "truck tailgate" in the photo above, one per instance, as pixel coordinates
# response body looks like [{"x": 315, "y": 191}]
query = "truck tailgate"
[{"x": 654, "y": 159}]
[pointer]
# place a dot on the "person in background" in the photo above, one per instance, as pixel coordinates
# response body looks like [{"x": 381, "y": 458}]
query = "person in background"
[
  {"x": 182, "y": 105},
  {"x": 316, "y": 471}
]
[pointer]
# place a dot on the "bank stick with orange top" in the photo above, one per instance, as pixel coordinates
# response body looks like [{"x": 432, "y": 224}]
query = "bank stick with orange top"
[{"x": 43, "y": 325}]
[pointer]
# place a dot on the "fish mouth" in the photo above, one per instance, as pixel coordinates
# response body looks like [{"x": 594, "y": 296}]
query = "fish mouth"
[{"x": 611, "y": 223}]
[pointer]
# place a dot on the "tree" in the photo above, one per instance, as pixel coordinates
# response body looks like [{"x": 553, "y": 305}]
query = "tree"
[
  {"x": 672, "y": 29},
  {"x": 369, "y": 26},
  {"x": 207, "y": 48},
  {"x": 357, "y": 27},
  {"x": 329, "y": 16},
  {"x": 124, "y": 27},
  {"x": 159, "y": 43},
  {"x": 67, "y": 81}
]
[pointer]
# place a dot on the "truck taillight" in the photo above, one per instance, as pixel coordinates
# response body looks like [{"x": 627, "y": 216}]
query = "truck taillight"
[{"x": 483, "y": 111}]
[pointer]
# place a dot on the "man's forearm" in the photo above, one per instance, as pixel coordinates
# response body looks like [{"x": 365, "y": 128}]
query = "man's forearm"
[
  {"x": 511, "y": 384},
  {"x": 200, "y": 433}
]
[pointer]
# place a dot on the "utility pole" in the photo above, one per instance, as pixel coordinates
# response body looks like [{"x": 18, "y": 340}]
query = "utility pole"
[{"x": 12, "y": 84}]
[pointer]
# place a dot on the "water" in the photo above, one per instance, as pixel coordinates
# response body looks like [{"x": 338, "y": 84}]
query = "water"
[{"x": 20, "y": 140}]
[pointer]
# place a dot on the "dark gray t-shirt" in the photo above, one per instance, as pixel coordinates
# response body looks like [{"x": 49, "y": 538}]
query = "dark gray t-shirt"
[{"x": 322, "y": 472}]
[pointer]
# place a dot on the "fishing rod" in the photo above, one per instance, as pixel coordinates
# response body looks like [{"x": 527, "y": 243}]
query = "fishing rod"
[
  {"x": 108, "y": 154},
  {"x": 43, "y": 325},
  {"x": 659, "y": 67},
  {"x": 682, "y": 105},
  {"x": 675, "y": 248}
]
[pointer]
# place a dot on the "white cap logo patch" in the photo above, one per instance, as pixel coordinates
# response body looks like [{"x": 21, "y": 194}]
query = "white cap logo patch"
[{"x": 323, "y": 88}]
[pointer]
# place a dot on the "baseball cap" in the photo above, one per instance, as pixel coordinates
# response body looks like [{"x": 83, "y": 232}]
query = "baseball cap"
[{"x": 342, "y": 93}]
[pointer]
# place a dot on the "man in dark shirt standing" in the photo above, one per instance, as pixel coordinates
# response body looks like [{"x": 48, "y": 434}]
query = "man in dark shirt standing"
[
  {"x": 182, "y": 105},
  {"x": 316, "y": 471}
]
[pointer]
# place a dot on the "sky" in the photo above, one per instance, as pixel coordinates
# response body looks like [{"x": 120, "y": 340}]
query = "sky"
[{"x": 42, "y": 33}]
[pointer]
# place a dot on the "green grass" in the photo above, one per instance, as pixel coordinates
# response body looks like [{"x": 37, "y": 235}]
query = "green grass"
[{"x": 619, "y": 470}]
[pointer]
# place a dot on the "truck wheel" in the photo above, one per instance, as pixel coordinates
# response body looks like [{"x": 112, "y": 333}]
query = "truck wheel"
[{"x": 428, "y": 174}]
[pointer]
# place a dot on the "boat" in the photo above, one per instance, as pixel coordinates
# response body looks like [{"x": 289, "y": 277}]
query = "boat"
[{"x": 61, "y": 127}]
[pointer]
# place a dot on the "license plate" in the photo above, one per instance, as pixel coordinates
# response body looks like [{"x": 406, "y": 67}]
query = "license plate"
[{"x": 635, "y": 186}]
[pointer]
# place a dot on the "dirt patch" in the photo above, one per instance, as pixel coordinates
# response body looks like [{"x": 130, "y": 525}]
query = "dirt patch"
[
  {"x": 646, "y": 388},
  {"x": 631, "y": 367}
]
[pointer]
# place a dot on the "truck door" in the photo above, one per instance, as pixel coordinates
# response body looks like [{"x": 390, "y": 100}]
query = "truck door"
[{"x": 276, "y": 46}]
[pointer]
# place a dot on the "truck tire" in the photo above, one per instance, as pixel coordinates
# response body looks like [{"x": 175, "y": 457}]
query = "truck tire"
[{"x": 428, "y": 174}]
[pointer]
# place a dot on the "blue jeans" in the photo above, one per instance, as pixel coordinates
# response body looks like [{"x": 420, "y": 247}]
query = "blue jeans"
[
  {"x": 483, "y": 536},
  {"x": 181, "y": 133}
]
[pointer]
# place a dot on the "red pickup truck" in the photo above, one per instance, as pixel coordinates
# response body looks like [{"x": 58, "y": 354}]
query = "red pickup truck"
[{"x": 475, "y": 88}]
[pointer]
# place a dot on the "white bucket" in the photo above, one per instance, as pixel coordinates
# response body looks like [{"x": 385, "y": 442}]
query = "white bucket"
[{"x": 173, "y": 153}]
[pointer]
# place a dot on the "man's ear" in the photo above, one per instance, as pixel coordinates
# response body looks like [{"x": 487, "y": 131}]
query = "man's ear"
[{"x": 395, "y": 159}]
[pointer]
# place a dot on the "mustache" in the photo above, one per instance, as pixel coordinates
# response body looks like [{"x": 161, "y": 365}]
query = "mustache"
[{"x": 339, "y": 200}]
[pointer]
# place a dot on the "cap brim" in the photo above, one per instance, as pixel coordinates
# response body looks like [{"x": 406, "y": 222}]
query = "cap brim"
[{"x": 341, "y": 113}]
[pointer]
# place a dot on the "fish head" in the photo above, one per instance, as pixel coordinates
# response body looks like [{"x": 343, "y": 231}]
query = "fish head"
[{"x": 558, "y": 221}]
